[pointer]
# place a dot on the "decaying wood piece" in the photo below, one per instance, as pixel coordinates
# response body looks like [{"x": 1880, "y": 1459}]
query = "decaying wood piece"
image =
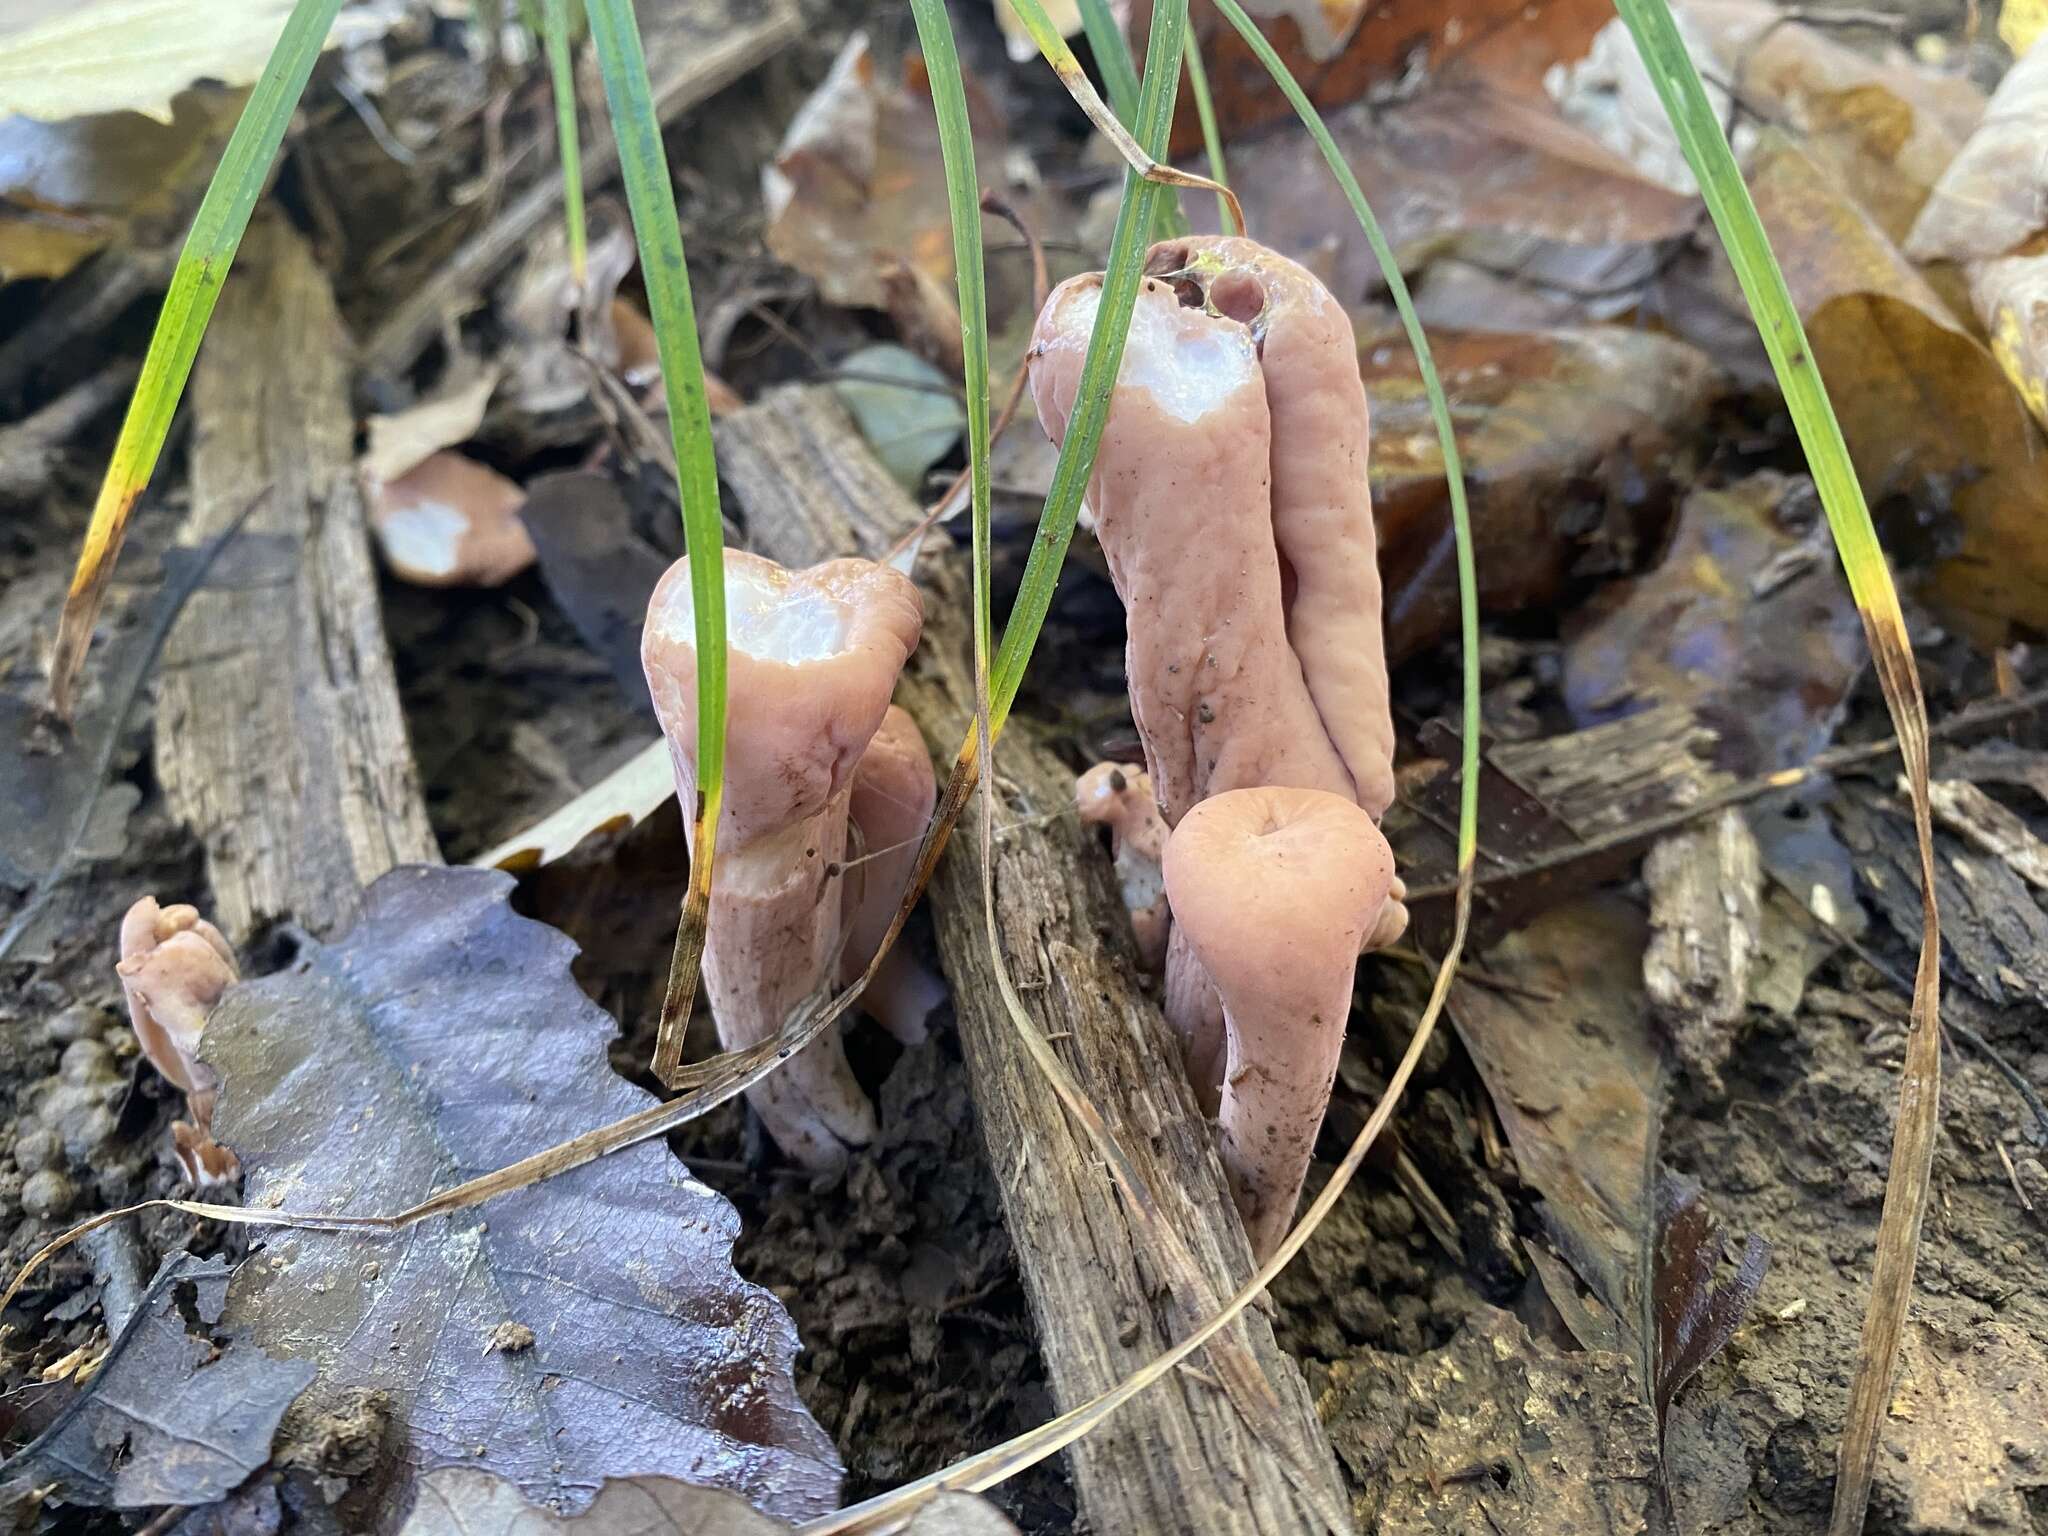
[
  {"x": 694, "y": 48},
  {"x": 279, "y": 736},
  {"x": 1706, "y": 885},
  {"x": 1178, "y": 1458}
]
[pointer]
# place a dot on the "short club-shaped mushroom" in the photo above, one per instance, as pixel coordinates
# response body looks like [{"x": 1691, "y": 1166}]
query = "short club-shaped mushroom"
[
  {"x": 894, "y": 791},
  {"x": 451, "y": 522},
  {"x": 174, "y": 966},
  {"x": 1118, "y": 797},
  {"x": 814, "y": 655},
  {"x": 1275, "y": 891}
]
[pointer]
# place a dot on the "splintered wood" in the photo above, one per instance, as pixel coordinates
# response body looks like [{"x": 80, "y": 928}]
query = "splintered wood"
[{"x": 279, "y": 735}]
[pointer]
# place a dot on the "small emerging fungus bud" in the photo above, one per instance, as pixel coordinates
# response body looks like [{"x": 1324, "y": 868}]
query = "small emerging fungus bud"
[
  {"x": 450, "y": 522},
  {"x": 813, "y": 658},
  {"x": 1120, "y": 798},
  {"x": 1275, "y": 891},
  {"x": 894, "y": 791},
  {"x": 174, "y": 967}
]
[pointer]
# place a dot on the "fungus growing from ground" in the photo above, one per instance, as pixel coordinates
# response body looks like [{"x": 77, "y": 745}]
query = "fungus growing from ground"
[
  {"x": 1275, "y": 891},
  {"x": 451, "y": 522},
  {"x": 1120, "y": 798},
  {"x": 1231, "y": 502},
  {"x": 814, "y": 656},
  {"x": 174, "y": 966}
]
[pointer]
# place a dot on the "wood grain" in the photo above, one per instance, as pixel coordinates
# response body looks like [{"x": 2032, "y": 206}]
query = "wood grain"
[{"x": 279, "y": 737}]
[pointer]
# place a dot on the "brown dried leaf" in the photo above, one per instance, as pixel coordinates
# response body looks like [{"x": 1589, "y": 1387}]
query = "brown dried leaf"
[
  {"x": 1456, "y": 158},
  {"x": 1930, "y": 418},
  {"x": 1694, "y": 1316},
  {"x": 1559, "y": 432},
  {"x": 858, "y": 189},
  {"x": 1746, "y": 619},
  {"x": 442, "y": 1037},
  {"x": 181, "y": 1411},
  {"x": 1507, "y": 44}
]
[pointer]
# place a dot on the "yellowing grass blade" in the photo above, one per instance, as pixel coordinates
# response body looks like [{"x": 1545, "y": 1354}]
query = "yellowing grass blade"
[
  {"x": 1763, "y": 285},
  {"x": 203, "y": 264}
]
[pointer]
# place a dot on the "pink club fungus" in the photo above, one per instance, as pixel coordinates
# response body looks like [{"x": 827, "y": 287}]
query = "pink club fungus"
[
  {"x": 814, "y": 656},
  {"x": 451, "y": 522},
  {"x": 1120, "y": 798},
  {"x": 1276, "y": 890},
  {"x": 174, "y": 966},
  {"x": 1231, "y": 502}
]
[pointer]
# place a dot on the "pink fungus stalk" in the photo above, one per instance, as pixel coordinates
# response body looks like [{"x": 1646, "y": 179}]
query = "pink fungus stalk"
[
  {"x": 814, "y": 656},
  {"x": 894, "y": 794},
  {"x": 1231, "y": 502},
  {"x": 1275, "y": 891},
  {"x": 174, "y": 966}
]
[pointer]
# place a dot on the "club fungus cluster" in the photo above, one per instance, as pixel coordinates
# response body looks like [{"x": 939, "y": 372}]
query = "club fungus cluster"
[
  {"x": 1231, "y": 502},
  {"x": 813, "y": 748}
]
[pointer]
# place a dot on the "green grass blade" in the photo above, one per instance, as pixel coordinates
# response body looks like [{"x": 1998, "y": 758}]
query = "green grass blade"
[
  {"x": 1113, "y": 58},
  {"x": 643, "y": 166},
  {"x": 203, "y": 264},
  {"x": 963, "y": 204},
  {"x": 1827, "y": 456},
  {"x": 1439, "y": 410},
  {"x": 562, "y": 67},
  {"x": 1121, "y": 276},
  {"x": 1212, "y": 136}
]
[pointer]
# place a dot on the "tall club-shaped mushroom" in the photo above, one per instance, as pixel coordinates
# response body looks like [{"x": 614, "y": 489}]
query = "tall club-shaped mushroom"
[
  {"x": 1275, "y": 891},
  {"x": 814, "y": 656},
  {"x": 1231, "y": 502}
]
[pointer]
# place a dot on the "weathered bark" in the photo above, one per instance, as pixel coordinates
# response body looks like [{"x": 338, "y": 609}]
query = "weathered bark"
[
  {"x": 1178, "y": 1458},
  {"x": 279, "y": 736}
]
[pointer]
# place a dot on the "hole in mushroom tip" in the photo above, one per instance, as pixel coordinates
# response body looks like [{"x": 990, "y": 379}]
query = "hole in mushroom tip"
[
  {"x": 1167, "y": 260},
  {"x": 1238, "y": 296}
]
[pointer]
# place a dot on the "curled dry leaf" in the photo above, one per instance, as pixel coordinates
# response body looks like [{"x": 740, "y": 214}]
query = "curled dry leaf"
[
  {"x": 626, "y": 796},
  {"x": 443, "y": 1036},
  {"x": 451, "y": 522},
  {"x": 181, "y": 1411},
  {"x": 461, "y": 1501},
  {"x": 401, "y": 440},
  {"x": 1932, "y": 422},
  {"x": 1987, "y": 212},
  {"x": 1540, "y": 417},
  {"x": 1746, "y": 619}
]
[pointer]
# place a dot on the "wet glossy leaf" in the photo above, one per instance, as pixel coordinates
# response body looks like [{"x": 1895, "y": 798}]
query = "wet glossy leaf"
[
  {"x": 1746, "y": 619},
  {"x": 441, "y": 1038},
  {"x": 182, "y": 1411}
]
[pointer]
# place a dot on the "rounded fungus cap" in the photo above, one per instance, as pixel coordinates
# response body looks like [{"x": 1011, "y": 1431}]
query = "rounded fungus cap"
[
  {"x": 1276, "y": 889},
  {"x": 451, "y": 522},
  {"x": 812, "y": 658}
]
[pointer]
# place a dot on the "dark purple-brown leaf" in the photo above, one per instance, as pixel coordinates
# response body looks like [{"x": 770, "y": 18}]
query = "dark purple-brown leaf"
[
  {"x": 1694, "y": 1315},
  {"x": 441, "y": 1038}
]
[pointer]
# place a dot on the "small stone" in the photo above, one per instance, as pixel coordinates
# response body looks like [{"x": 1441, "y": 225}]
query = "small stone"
[
  {"x": 72, "y": 1024},
  {"x": 48, "y": 1194},
  {"x": 37, "y": 1148},
  {"x": 86, "y": 1131},
  {"x": 86, "y": 1061}
]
